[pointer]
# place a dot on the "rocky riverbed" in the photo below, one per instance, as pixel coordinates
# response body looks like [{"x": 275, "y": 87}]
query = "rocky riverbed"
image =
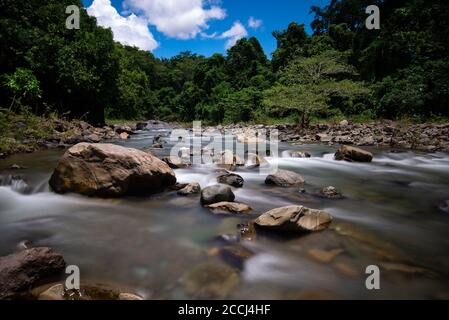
[{"x": 131, "y": 216}]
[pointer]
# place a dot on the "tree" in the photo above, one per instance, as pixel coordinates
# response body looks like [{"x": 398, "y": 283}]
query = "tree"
[
  {"x": 301, "y": 100},
  {"x": 290, "y": 43},
  {"x": 24, "y": 87}
]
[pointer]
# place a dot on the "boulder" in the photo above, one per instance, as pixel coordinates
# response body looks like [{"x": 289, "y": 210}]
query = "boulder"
[
  {"x": 191, "y": 188},
  {"x": 108, "y": 170},
  {"x": 123, "y": 129},
  {"x": 330, "y": 193},
  {"x": 216, "y": 193},
  {"x": 294, "y": 218},
  {"x": 23, "y": 270},
  {"x": 349, "y": 153},
  {"x": 285, "y": 178},
  {"x": 231, "y": 179},
  {"x": 229, "y": 207}
]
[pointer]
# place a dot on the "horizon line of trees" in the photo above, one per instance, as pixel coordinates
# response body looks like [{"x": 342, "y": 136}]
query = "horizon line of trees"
[{"x": 341, "y": 69}]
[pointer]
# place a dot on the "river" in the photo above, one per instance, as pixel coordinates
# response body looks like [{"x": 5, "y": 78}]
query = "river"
[{"x": 388, "y": 218}]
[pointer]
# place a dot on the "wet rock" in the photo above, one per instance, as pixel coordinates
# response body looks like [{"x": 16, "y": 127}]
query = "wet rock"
[
  {"x": 444, "y": 206},
  {"x": 344, "y": 123},
  {"x": 216, "y": 193},
  {"x": 254, "y": 160},
  {"x": 231, "y": 179},
  {"x": 323, "y": 137},
  {"x": 235, "y": 255},
  {"x": 16, "y": 167},
  {"x": 86, "y": 292},
  {"x": 191, "y": 188},
  {"x": 152, "y": 125},
  {"x": 25, "y": 269},
  {"x": 295, "y": 219},
  {"x": 157, "y": 146},
  {"x": 178, "y": 186},
  {"x": 299, "y": 154},
  {"x": 24, "y": 245},
  {"x": 324, "y": 256},
  {"x": 123, "y": 129},
  {"x": 226, "y": 160},
  {"x": 94, "y": 138},
  {"x": 330, "y": 193},
  {"x": 211, "y": 281},
  {"x": 349, "y": 153},
  {"x": 229, "y": 208},
  {"x": 285, "y": 178},
  {"x": 124, "y": 136},
  {"x": 107, "y": 170},
  {"x": 176, "y": 163}
]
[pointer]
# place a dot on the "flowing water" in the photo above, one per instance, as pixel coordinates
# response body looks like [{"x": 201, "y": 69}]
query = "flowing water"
[{"x": 389, "y": 218}]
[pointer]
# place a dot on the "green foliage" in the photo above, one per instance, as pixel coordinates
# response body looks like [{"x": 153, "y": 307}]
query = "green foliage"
[
  {"x": 23, "y": 85},
  {"x": 342, "y": 70}
]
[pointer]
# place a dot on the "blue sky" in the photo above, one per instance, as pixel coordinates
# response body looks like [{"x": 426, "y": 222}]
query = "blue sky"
[{"x": 167, "y": 27}]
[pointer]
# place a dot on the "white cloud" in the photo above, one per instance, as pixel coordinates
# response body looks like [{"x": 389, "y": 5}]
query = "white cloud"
[
  {"x": 254, "y": 23},
  {"x": 181, "y": 19},
  {"x": 234, "y": 34},
  {"x": 131, "y": 30}
]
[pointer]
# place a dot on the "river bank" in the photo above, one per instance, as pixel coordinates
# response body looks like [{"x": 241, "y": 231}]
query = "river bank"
[{"x": 26, "y": 135}]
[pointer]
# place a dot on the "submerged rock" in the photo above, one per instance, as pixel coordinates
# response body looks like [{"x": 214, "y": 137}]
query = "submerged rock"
[
  {"x": 191, "y": 188},
  {"x": 229, "y": 207},
  {"x": 348, "y": 153},
  {"x": 21, "y": 271},
  {"x": 231, "y": 179},
  {"x": 235, "y": 255},
  {"x": 324, "y": 256},
  {"x": 216, "y": 193},
  {"x": 330, "y": 193},
  {"x": 299, "y": 154},
  {"x": 285, "y": 178},
  {"x": 444, "y": 206},
  {"x": 107, "y": 170},
  {"x": 294, "y": 218},
  {"x": 210, "y": 281},
  {"x": 86, "y": 292}
]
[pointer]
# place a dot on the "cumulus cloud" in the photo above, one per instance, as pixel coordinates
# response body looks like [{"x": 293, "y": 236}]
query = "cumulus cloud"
[
  {"x": 254, "y": 23},
  {"x": 131, "y": 30},
  {"x": 181, "y": 19},
  {"x": 234, "y": 34}
]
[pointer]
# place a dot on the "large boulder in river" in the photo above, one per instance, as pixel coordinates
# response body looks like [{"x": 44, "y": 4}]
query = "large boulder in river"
[
  {"x": 23, "y": 270},
  {"x": 294, "y": 218},
  {"x": 216, "y": 193},
  {"x": 108, "y": 170},
  {"x": 349, "y": 153},
  {"x": 285, "y": 178}
]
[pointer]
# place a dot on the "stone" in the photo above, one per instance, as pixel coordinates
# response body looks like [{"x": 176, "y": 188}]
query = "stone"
[
  {"x": 330, "y": 193},
  {"x": 231, "y": 179},
  {"x": 444, "y": 206},
  {"x": 324, "y": 256},
  {"x": 285, "y": 178},
  {"x": 344, "y": 123},
  {"x": 94, "y": 138},
  {"x": 235, "y": 255},
  {"x": 176, "y": 163},
  {"x": 294, "y": 219},
  {"x": 16, "y": 167},
  {"x": 299, "y": 154},
  {"x": 229, "y": 208},
  {"x": 216, "y": 193},
  {"x": 349, "y": 153},
  {"x": 323, "y": 137},
  {"x": 124, "y": 136},
  {"x": 191, "y": 188},
  {"x": 86, "y": 292},
  {"x": 107, "y": 170},
  {"x": 157, "y": 146},
  {"x": 210, "y": 281},
  {"x": 23, "y": 270}
]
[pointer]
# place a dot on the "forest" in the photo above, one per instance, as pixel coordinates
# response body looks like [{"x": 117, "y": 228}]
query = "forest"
[{"x": 342, "y": 69}]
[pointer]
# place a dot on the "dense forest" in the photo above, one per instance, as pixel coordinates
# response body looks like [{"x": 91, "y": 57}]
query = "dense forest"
[{"x": 342, "y": 69}]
